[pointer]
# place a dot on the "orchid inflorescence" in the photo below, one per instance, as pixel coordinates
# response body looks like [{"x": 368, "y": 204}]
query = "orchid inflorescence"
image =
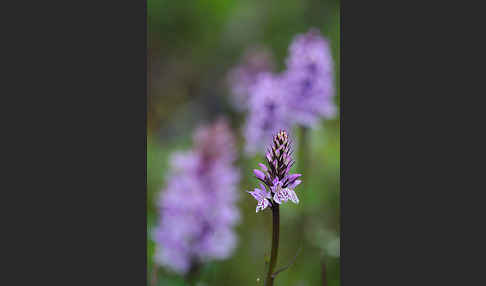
[
  {"x": 276, "y": 176},
  {"x": 198, "y": 206},
  {"x": 302, "y": 94}
]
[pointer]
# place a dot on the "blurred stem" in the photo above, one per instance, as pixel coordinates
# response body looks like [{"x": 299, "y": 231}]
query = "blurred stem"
[
  {"x": 324, "y": 272},
  {"x": 153, "y": 281},
  {"x": 193, "y": 274},
  {"x": 275, "y": 236}
]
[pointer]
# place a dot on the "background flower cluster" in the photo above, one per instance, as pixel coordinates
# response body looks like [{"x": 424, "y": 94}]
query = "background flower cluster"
[
  {"x": 197, "y": 209},
  {"x": 302, "y": 94}
]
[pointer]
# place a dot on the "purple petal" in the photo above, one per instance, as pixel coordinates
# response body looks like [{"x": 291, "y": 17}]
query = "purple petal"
[
  {"x": 268, "y": 195},
  {"x": 264, "y": 190},
  {"x": 287, "y": 161},
  {"x": 258, "y": 194},
  {"x": 262, "y": 204},
  {"x": 254, "y": 194},
  {"x": 264, "y": 168},
  {"x": 293, "y": 177},
  {"x": 259, "y": 174},
  {"x": 293, "y": 196},
  {"x": 295, "y": 184},
  {"x": 281, "y": 196},
  {"x": 269, "y": 157},
  {"x": 275, "y": 181},
  {"x": 265, "y": 204}
]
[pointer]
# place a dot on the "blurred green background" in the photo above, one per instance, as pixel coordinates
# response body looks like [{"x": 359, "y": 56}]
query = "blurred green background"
[{"x": 191, "y": 47}]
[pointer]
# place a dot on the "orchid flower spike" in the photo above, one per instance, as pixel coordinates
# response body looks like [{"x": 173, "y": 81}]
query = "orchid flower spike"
[{"x": 275, "y": 175}]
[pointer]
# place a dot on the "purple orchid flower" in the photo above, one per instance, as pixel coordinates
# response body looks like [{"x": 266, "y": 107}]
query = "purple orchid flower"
[
  {"x": 262, "y": 196},
  {"x": 276, "y": 175}
]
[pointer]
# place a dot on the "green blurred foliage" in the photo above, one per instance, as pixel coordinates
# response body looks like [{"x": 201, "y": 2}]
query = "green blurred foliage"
[{"x": 192, "y": 45}]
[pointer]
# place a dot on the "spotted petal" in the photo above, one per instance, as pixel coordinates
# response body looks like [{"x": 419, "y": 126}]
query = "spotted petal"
[
  {"x": 262, "y": 204},
  {"x": 257, "y": 194},
  {"x": 293, "y": 196},
  {"x": 282, "y": 195}
]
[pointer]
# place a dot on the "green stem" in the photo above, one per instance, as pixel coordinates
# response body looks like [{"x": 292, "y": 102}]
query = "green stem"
[
  {"x": 275, "y": 235},
  {"x": 153, "y": 280},
  {"x": 324, "y": 273},
  {"x": 193, "y": 274}
]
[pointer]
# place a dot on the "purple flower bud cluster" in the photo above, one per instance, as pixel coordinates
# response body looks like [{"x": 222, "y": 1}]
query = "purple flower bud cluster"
[
  {"x": 302, "y": 94},
  {"x": 309, "y": 79},
  {"x": 198, "y": 207},
  {"x": 244, "y": 76},
  {"x": 275, "y": 176}
]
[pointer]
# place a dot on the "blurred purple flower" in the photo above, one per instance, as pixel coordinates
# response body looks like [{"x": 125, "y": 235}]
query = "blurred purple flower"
[
  {"x": 243, "y": 77},
  {"x": 197, "y": 208},
  {"x": 268, "y": 112},
  {"x": 276, "y": 176},
  {"x": 309, "y": 79}
]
